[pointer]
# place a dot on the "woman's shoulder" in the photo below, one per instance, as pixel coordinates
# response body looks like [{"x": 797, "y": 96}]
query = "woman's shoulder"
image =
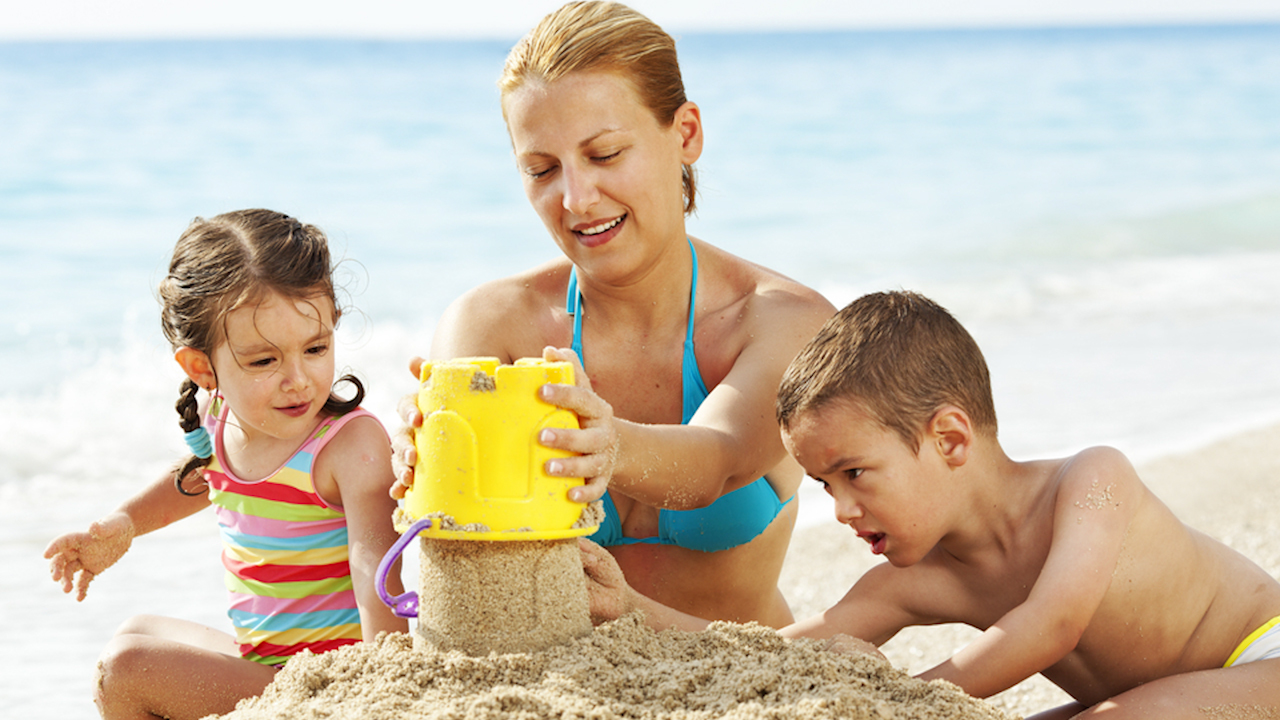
[
  {"x": 497, "y": 312},
  {"x": 766, "y": 294}
]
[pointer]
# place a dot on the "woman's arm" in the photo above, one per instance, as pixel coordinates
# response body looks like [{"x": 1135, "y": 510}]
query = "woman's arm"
[{"x": 733, "y": 437}]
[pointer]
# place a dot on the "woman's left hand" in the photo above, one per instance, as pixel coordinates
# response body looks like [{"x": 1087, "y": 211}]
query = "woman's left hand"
[
  {"x": 610, "y": 595},
  {"x": 597, "y": 442}
]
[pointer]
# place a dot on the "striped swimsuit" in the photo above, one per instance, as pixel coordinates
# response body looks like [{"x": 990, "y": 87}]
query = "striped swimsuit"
[{"x": 285, "y": 552}]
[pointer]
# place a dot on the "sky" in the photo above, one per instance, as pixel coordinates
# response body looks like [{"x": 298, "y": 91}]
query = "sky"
[{"x": 82, "y": 19}]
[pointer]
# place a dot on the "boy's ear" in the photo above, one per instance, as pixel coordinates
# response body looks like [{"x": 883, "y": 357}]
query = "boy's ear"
[
  {"x": 951, "y": 431},
  {"x": 197, "y": 367}
]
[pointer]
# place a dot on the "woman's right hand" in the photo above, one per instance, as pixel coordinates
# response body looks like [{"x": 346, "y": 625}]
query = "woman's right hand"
[
  {"x": 77, "y": 558},
  {"x": 404, "y": 452}
]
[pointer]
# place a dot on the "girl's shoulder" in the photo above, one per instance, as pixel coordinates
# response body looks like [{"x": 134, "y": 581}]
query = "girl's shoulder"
[
  {"x": 356, "y": 430},
  {"x": 355, "y": 446}
]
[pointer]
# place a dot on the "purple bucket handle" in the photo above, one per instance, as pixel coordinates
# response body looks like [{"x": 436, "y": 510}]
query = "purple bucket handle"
[{"x": 406, "y": 605}]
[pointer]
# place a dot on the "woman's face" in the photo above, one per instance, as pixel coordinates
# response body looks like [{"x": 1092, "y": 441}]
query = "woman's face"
[{"x": 602, "y": 173}]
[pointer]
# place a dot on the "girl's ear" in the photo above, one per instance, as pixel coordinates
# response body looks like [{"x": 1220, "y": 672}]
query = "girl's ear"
[
  {"x": 951, "y": 431},
  {"x": 197, "y": 367}
]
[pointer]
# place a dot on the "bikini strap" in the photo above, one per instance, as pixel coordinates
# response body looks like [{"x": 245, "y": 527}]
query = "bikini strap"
[
  {"x": 690, "y": 373},
  {"x": 693, "y": 391},
  {"x": 573, "y": 306}
]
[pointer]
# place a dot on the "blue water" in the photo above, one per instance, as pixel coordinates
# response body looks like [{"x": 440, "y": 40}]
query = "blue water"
[{"x": 1101, "y": 207}]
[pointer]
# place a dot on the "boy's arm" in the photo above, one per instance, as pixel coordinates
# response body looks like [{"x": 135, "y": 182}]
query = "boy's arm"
[
  {"x": 358, "y": 460},
  {"x": 874, "y": 609},
  {"x": 76, "y": 558},
  {"x": 1098, "y": 494},
  {"x": 866, "y": 612}
]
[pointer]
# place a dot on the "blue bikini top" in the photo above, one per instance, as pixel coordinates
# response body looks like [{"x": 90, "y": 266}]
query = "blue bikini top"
[{"x": 735, "y": 518}]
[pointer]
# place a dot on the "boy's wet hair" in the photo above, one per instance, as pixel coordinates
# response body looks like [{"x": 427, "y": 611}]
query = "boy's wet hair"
[
  {"x": 235, "y": 260},
  {"x": 604, "y": 37},
  {"x": 900, "y": 357}
]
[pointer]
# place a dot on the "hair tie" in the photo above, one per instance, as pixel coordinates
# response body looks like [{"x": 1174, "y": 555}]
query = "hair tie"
[{"x": 200, "y": 442}]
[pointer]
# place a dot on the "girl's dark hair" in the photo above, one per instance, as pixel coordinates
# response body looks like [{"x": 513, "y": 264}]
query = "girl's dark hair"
[{"x": 231, "y": 261}]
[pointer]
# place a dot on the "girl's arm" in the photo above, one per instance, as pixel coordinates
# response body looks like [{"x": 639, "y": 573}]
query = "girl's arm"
[
  {"x": 76, "y": 558},
  {"x": 357, "y": 468}
]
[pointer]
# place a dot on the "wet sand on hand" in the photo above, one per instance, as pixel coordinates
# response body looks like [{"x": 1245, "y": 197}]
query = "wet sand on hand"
[{"x": 744, "y": 671}]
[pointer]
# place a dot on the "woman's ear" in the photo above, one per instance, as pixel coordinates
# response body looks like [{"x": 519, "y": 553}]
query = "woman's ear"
[
  {"x": 688, "y": 121},
  {"x": 951, "y": 431},
  {"x": 197, "y": 366}
]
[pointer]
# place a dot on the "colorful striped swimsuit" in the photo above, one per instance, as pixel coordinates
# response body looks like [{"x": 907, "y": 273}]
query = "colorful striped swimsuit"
[{"x": 285, "y": 551}]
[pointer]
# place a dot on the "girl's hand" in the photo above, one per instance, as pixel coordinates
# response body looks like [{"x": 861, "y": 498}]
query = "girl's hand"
[
  {"x": 76, "y": 559},
  {"x": 597, "y": 442},
  {"x": 610, "y": 595},
  {"x": 404, "y": 452}
]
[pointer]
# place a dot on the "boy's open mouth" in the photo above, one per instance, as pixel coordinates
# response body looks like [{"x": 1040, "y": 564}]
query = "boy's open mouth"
[{"x": 875, "y": 540}]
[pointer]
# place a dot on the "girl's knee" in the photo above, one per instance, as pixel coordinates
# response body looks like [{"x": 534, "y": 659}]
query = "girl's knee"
[
  {"x": 122, "y": 661},
  {"x": 138, "y": 625}
]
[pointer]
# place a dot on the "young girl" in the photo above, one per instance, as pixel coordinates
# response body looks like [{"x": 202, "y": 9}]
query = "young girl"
[{"x": 297, "y": 476}]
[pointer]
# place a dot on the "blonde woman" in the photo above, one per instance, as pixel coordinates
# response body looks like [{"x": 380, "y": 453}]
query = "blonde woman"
[{"x": 683, "y": 342}]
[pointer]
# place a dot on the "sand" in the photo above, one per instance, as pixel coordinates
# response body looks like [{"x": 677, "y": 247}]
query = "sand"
[
  {"x": 622, "y": 669},
  {"x": 506, "y": 597}
]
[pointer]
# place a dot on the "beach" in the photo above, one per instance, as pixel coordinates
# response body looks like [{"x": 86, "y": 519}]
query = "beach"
[
  {"x": 1100, "y": 207},
  {"x": 744, "y": 671}
]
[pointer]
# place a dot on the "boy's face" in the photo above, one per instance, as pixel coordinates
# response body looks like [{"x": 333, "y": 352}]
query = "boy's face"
[{"x": 891, "y": 496}]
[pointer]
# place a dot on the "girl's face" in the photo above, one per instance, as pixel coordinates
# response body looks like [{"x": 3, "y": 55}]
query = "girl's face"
[
  {"x": 276, "y": 366},
  {"x": 891, "y": 496},
  {"x": 602, "y": 173}
]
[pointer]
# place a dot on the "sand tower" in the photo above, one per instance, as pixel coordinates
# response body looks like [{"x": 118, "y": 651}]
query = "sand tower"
[{"x": 500, "y": 568}]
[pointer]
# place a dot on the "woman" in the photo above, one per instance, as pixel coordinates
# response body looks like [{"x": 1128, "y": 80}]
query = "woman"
[{"x": 701, "y": 498}]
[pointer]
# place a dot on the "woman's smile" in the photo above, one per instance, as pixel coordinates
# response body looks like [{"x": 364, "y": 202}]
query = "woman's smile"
[{"x": 597, "y": 234}]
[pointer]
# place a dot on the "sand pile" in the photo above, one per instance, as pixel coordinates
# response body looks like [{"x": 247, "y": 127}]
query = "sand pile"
[
  {"x": 621, "y": 670},
  {"x": 501, "y": 596}
]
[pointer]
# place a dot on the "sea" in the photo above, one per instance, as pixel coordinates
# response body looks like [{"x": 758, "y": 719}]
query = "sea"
[{"x": 1100, "y": 206}]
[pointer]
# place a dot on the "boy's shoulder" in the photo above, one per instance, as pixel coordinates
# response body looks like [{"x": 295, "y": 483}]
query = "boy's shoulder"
[{"x": 1098, "y": 472}]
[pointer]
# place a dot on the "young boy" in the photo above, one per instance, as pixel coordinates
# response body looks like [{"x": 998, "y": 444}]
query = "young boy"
[{"x": 1071, "y": 567}]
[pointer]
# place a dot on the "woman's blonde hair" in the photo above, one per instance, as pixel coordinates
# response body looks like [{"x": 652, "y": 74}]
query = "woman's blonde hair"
[{"x": 604, "y": 37}]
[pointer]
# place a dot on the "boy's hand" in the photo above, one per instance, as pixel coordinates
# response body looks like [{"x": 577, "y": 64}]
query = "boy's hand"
[
  {"x": 76, "y": 558},
  {"x": 850, "y": 645},
  {"x": 610, "y": 596}
]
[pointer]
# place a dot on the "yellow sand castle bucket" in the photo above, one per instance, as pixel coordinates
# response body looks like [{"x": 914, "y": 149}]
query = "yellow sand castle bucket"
[{"x": 479, "y": 459}]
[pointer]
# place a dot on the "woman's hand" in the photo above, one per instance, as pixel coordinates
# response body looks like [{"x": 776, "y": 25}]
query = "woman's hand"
[
  {"x": 597, "y": 442},
  {"x": 610, "y": 596},
  {"x": 77, "y": 558},
  {"x": 404, "y": 451}
]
